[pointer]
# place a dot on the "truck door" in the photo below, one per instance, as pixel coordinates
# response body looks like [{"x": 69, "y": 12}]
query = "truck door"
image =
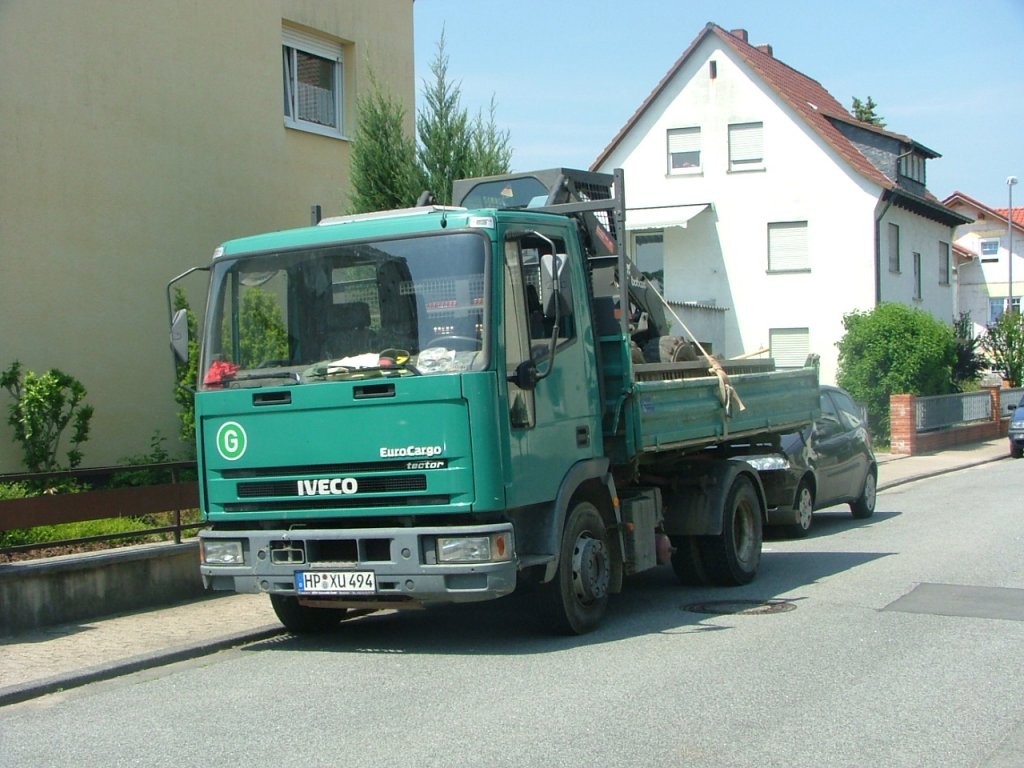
[{"x": 553, "y": 423}]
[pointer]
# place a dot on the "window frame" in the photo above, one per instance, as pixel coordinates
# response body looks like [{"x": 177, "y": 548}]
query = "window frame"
[
  {"x": 802, "y": 334},
  {"x": 804, "y": 262},
  {"x": 918, "y": 294},
  {"x": 945, "y": 270},
  {"x": 684, "y": 135},
  {"x": 755, "y": 162},
  {"x": 894, "y": 248},
  {"x": 294, "y": 41},
  {"x": 993, "y": 255}
]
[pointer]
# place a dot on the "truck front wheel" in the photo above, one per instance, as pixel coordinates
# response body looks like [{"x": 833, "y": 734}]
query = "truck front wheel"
[
  {"x": 303, "y": 620},
  {"x": 576, "y": 599},
  {"x": 731, "y": 558}
]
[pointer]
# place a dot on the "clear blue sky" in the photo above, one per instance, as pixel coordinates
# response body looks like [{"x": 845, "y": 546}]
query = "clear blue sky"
[{"x": 567, "y": 75}]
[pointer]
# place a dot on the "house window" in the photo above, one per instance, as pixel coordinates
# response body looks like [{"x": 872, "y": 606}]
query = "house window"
[
  {"x": 789, "y": 347},
  {"x": 746, "y": 146},
  {"x": 787, "y": 247},
  {"x": 912, "y": 167},
  {"x": 683, "y": 150},
  {"x": 917, "y": 276},
  {"x": 894, "y": 247},
  {"x": 312, "y": 74},
  {"x": 943, "y": 263},
  {"x": 997, "y": 306},
  {"x": 990, "y": 250}
]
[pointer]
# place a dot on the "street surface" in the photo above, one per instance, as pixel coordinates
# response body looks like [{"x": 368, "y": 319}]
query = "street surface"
[{"x": 895, "y": 641}]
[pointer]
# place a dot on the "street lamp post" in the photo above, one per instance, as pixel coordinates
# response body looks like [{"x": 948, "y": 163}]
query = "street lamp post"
[{"x": 1010, "y": 181}]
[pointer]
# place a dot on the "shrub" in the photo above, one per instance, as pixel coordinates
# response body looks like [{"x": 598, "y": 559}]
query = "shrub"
[
  {"x": 44, "y": 406},
  {"x": 1004, "y": 343},
  {"x": 894, "y": 349}
]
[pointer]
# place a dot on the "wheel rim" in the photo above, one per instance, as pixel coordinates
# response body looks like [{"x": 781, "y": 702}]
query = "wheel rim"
[
  {"x": 804, "y": 507},
  {"x": 870, "y": 488},
  {"x": 590, "y": 571},
  {"x": 743, "y": 531}
]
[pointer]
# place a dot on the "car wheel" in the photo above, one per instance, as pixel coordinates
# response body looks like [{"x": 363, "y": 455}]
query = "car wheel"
[
  {"x": 1016, "y": 451},
  {"x": 804, "y": 508},
  {"x": 864, "y": 507}
]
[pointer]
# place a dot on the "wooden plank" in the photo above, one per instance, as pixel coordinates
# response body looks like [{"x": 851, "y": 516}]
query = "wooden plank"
[{"x": 97, "y": 505}]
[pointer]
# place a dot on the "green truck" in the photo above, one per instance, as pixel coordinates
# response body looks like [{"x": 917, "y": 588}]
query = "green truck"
[{"x": 447, "y": 403}]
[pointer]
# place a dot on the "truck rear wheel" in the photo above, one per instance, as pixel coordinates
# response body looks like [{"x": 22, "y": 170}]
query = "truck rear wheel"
[
  {"x": 731, "y": 558},
  {"x": 576, "y": 599},
  {"x": 303, "y": 620},
  {"x": 686, "y": 561}
]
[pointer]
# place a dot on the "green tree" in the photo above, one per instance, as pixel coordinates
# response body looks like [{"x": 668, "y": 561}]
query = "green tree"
[
  {"x": 894, "y": 349},
  {"x": 385, "y": 174},
  {"x": 262, "y": 331},
  {"x": 451, "y": 146},
  {"x": 186, "y": 375},
  {"x": 865, "y": 112},
  {"x": 44, "y": 406},
  {"x": 490, "y": 153},
  {"x": 1003, "y": 341},
  {"x": 969, "y": 363}
]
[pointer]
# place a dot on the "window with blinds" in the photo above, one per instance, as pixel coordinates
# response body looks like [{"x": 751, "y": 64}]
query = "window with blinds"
[
  {"x": 312, "y": 75},
  {"x": 787, "y": 247},
  {"x": 746, "y": 146},
  {"x": 789, "y": 347},
  {"x": 683, "y": 150}
]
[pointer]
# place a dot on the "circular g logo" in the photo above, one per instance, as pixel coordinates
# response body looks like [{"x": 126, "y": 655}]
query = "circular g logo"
[{"x": 231, "y": 440}]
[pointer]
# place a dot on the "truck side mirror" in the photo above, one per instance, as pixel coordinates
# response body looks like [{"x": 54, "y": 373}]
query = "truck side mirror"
[
  {"x": 179, "y": 335},
  {"x": 526, "y": 375}
]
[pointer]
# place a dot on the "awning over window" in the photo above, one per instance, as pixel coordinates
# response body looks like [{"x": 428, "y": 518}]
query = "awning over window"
[{"x": 662, "y": 217}]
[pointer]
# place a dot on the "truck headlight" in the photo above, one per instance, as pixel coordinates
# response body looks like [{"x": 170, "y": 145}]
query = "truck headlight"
[
  {"x": 475, "y": 549},
  {"x": 222, "y": 552}
]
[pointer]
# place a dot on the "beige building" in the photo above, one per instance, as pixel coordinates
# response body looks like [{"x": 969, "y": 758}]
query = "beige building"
[{"x": 136, "y": 137}]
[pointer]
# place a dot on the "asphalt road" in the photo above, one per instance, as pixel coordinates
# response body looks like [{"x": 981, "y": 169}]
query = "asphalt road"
[{"x": 889, "y": 642}]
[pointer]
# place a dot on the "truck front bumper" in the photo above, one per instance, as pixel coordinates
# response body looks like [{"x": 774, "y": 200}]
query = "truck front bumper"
[{"x": 404, "y": 564}]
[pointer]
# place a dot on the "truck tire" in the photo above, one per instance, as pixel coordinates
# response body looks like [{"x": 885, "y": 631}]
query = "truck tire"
[
  {"x": 303, "y": 620},
  {"x": 731, "y": 558},
  {"x": 864, "y": 507},
  {"x": 576, "y": 599},
  {"x": 687, "y": 563}
]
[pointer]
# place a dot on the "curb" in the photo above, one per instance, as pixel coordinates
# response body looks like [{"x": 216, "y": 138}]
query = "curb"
[
  {"x": 25, "y": 691},
  {"x": 936, "y": 472}
]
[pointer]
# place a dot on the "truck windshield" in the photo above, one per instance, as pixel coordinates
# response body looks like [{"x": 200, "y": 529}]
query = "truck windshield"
[{"x": 407, "y": 307}]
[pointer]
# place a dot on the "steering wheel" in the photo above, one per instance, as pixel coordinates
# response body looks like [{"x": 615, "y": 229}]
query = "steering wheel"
[{"x": 457, "y": 343}]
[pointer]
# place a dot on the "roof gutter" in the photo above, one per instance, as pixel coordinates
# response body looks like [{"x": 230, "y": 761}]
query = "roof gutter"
[{"x": 887, "y": 197}]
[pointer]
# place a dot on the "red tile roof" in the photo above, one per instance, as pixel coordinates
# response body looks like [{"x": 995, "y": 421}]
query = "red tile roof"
[
  {"x": 991, "y": 213},
  {"x": 806, "y": 96}
]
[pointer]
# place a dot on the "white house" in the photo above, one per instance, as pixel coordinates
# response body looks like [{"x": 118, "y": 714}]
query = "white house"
[
  {"x": 984, "y": 249},
  {"x": 771, "y": 209}
]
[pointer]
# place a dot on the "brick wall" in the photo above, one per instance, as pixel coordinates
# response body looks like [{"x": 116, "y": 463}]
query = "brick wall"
[{"x": 906, "y": 439}]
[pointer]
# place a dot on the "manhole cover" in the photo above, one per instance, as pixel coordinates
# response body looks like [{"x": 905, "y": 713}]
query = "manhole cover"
[{"x": 741, "y": 607}]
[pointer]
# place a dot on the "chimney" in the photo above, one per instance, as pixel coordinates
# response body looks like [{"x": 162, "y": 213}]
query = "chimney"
[
  {"x": 740, "y": 33},
  {"x": 765, "y": 48}
]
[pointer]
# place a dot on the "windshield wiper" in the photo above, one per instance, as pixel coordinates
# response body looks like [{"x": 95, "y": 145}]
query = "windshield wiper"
[{"x": 278, "y": 375}]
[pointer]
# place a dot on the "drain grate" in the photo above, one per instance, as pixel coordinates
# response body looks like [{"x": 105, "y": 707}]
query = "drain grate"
[{"x": 741, "y": 607}]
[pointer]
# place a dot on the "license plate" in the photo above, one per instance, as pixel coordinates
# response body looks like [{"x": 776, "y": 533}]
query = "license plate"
[{"x": 336, "y": 582}]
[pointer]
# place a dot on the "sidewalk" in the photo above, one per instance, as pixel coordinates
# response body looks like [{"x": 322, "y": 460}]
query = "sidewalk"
[{"x": 66, "y": 656}]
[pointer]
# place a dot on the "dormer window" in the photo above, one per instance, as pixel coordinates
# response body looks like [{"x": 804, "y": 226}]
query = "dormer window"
[{"x": 912, "y": 167}]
